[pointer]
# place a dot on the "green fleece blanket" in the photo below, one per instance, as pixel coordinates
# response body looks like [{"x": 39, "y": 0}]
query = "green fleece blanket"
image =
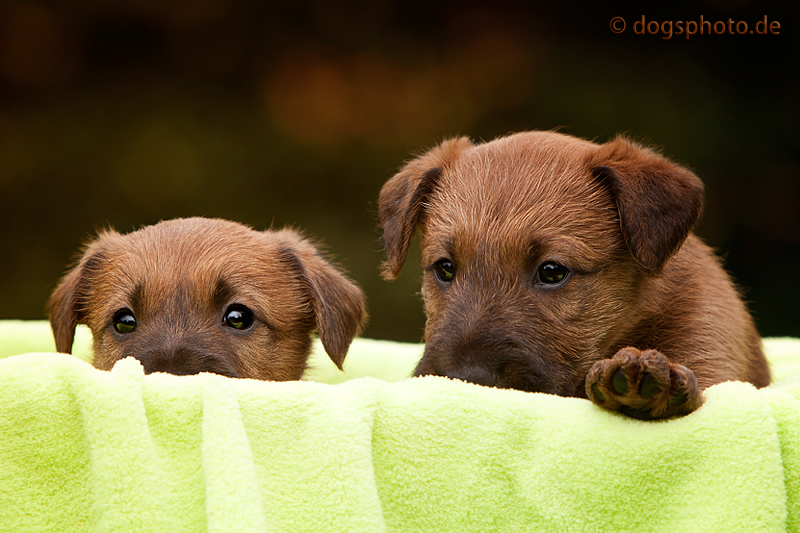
[{"x": 85, "y": 450}]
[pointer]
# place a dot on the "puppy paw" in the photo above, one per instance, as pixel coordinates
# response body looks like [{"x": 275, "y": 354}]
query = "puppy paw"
[{"x": 643, "y": 384}]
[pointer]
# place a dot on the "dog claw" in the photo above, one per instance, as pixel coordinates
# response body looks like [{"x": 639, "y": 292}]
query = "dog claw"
[{"x": 643, "y": 385}]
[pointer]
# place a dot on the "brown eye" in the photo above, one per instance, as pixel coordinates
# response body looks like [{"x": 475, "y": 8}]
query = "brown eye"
[
  {"x": 124, "y": 321},
  {"x": 238, "y": 316},
  {"x": 445, "y": 270},
  {"x": 552, "y": 273}
]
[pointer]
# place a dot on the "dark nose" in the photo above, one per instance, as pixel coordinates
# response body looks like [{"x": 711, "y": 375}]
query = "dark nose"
[
  {"x": 183, "y": 361},
  {"x": 475, "y": 374}
]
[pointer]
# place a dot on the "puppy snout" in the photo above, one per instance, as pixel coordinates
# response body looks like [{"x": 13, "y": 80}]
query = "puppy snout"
[
  {"x": 475, "y": 374},
  {"x": 493, "y": 361},
  {"x": 476, "y": 359},
  {"x": 184, "y": 361}
]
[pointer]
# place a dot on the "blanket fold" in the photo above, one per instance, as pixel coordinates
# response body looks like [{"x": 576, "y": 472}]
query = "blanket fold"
[{"x": 85, "y": 450}]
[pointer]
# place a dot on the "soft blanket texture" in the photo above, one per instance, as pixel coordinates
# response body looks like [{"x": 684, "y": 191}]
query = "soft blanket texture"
[{"x": 85, "y": 450}]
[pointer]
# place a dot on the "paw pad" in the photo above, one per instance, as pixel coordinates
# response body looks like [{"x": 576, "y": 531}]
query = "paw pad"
[
  {"x": 643, "y": 384},
  {"x": 649, "y": 386},
  {"x": 620, "y": 381}
]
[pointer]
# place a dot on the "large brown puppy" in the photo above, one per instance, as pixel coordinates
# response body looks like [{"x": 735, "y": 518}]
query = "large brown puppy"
[
  {"x": 559, "y": 265},
  {"x": 201, "y": 295}
]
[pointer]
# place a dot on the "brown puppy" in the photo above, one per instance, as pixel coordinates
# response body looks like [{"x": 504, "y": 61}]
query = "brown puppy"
[
  {"x": 201, "y": 295},
  {"x": 558, "y": 265}
]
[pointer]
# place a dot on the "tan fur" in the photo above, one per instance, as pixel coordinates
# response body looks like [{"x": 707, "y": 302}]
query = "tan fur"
[
  {"x": 619, "y": 217},
  {"x": 180, "y": 277}
]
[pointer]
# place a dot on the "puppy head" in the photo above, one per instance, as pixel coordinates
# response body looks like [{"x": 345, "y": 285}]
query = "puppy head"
[
  {"x": 534, "y": 248},
  {"x": 201, "y": 295}
]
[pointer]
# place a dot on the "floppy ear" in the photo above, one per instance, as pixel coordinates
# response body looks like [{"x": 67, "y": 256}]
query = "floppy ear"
[
  {"x": 66, "y": 307},
  {"x": 401, "y": 200},
  {"x": 658, "y": 200},
  {"x": 337, "y": 302}
]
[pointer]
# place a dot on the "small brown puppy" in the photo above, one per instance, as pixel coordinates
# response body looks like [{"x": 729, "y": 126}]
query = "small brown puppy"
[
  {"x": 201, "y": 295},
  {"x": 558, "y": 265}
]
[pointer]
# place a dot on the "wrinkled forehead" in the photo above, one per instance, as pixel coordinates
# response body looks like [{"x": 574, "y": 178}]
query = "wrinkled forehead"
[
  {"x": 539, "y": 184},
  {"x": 193, "y": 269},
  {"x": 517, "y": 196},
  {"x": 155, "y": 253}
]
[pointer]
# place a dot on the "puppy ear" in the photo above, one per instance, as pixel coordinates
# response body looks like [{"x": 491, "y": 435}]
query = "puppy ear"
[
  {"x": 66, "y": 307},
  {"x": 337, "y": 302},
  {"x": 401, "y": 200},
  {"x": 658, "y": 200}
]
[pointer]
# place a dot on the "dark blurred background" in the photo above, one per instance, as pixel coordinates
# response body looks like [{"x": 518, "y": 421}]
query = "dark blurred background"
[{"x": 271, "y": 113}]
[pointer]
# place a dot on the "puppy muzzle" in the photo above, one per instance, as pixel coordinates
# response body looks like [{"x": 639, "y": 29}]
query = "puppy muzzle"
[
  {"x": 502, "y": 364},
  {"x": 475, "y": 374},
  {"x": 183, "y": 361}
]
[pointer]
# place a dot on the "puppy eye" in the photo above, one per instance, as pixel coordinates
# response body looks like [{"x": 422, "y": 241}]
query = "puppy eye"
[
  {"x": 445, "y": 270},
  {"x": 238, "y": 316},
  {"x": 124, "y": 321},
  {"x": 552, "y": 273}
]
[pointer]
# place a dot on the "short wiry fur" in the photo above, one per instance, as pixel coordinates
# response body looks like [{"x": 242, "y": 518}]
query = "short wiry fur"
[
  {"x": 180, "y": 277},
  {"x": 646, "y": 317}
]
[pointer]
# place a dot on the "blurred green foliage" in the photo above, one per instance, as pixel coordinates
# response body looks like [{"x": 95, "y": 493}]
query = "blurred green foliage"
[{"x": 276, "y": 113}]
